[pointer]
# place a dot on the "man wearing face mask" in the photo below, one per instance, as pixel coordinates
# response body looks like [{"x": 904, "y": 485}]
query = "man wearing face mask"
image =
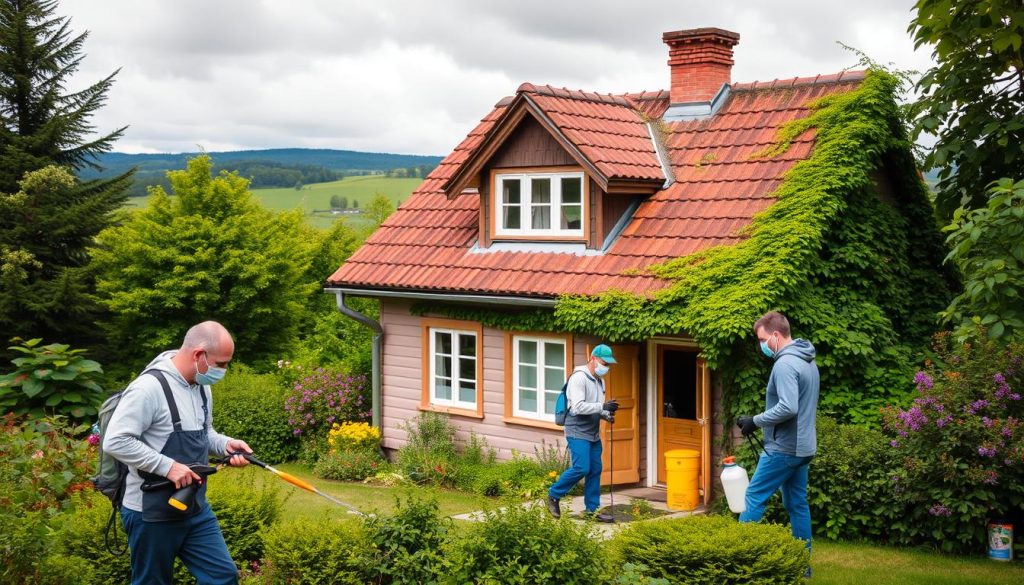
[
  {"x": 790, "y": 438},
  {"x": 587, "y": 407},
  {"x": 162, "y": 425}
]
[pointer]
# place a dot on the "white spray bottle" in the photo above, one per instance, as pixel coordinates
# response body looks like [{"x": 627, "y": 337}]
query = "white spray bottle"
[{"x": 735, "y": 482}]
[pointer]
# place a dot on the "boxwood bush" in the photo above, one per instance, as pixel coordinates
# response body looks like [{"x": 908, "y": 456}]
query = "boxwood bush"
[
  {"x": 518, "y": 545},
  {"x": 712, "y": 550},
  {"x": 250, "y": 406},
  {"x": 307, "y": 552}
]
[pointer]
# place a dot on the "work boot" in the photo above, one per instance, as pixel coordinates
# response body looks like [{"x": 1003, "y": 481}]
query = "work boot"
[
  {"x": 554, "y": 508},
  {"x": 598, "y": 517}
]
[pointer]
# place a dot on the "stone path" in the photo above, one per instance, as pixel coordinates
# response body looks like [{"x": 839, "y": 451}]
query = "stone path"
[{"x": 571, "y": 507}]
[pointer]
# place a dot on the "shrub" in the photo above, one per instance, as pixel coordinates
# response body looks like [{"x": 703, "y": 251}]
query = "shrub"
[
  {"x": 324, "y": 397},
  {"x": 351, "y": 436},
  {"x": 407, "y": 545},
  {"x": 51, "y": 380},
  {"x": 243, "y": 511},
  {"x": 850, "y": 487},
  {"x": 430, "y": 454},
  {"x": 354, "y": 465},
  {"x": 304, "y": 552},
  {"x": 521, "y": 477},
  {"x": 43, "y": 470},
  {"x": 525, "y": 545},
  {"x": 250, "y": 406},
  {"x": 712, "y": 550},
  {"x": 960, "y": 445}
]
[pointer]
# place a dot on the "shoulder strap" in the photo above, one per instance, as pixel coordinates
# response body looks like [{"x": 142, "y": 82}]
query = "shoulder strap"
[
  {"x": 206, "y": 411},
  {"x": 175, "y": 417}
]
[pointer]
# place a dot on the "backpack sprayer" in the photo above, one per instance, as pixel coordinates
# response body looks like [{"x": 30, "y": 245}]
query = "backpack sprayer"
[{"x": 183, "y": 498}]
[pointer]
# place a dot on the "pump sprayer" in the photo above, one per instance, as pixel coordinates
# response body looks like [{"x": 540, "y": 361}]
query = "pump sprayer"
[{"x": 735, "y": 482}]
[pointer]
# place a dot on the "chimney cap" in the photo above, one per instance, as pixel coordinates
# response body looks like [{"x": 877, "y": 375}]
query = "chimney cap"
[{"x": 707, "y": 33}]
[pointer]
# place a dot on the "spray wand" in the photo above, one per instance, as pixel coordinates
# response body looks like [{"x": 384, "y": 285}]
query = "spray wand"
[{"x": 295, "y": 481}]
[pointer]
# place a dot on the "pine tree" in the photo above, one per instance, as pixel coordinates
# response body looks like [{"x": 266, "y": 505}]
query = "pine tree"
[{"x": 47, "y": 217}]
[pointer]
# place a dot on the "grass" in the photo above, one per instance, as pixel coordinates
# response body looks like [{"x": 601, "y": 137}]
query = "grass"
[
  {"x": 842, "y": 563},
  {"x": 366, "y": 498},
  {"x": 315, "y": 199}
]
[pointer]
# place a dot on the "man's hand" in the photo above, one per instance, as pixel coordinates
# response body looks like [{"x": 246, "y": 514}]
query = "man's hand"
[
  {"x": 235, "y": 445},
  {"x": 608, "y": 417},
  {"x": 746, "y": 425},
  {"x": 181, "y": 475},
  {"x": 611, "y": 406}
]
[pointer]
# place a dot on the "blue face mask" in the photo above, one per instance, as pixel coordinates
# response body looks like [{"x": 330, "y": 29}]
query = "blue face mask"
[
  {"x": 601, "y": 370},
  {"x": 766, "y": 350},
  {"x": 211, "y": 376}
]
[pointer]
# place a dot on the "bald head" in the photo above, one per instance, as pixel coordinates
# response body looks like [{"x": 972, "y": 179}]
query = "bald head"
[{"x": 209, "y": 335}]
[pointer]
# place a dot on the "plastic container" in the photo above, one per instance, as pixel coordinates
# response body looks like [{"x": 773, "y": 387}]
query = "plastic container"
[
  {"x": 682, "y": 467},
  {"x": 735, "y": 482},
  {"x": 1000, "y": 540}
]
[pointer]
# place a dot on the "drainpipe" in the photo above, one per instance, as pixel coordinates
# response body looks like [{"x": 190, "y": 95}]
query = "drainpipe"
[{"x": 378, "y": 343}]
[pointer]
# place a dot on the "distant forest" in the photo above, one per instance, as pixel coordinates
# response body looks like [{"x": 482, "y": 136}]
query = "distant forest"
[{"x": 284, "y": 167}]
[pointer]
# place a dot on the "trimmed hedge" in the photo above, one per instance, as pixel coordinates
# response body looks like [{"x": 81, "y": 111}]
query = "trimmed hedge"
[
  {"x": 304, "y": 552},
  {"x": 712, "y": 550},
  {"x": 250, "y": 406}
]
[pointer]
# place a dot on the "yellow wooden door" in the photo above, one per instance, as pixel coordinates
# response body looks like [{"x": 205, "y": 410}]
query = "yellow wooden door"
[
  {"x": 622, "y": 383},
  {"x": 683, "y": 407}
]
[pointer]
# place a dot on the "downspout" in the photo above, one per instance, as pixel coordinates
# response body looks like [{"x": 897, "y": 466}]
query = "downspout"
[{"x": 378, "y": 343}]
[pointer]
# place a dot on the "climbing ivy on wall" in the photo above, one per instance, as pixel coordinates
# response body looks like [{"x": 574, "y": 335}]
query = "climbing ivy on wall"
[{"x": 859, "y": 277}]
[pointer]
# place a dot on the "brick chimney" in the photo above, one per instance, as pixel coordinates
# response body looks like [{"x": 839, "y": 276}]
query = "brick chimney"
[{"x": 701, "y": 61}]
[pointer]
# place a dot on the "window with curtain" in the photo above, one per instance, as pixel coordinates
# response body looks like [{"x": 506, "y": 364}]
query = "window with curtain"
[
  {"x": 539, "y": 204},
  {"x": 453, "y": 368},
  {"x": 538, "y": 373}
]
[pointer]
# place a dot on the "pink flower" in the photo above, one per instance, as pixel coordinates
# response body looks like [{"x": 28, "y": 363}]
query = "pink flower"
[{"x": 94, "y": 439}]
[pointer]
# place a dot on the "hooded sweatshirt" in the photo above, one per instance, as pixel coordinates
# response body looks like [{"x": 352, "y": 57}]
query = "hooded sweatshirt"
[
  {"x": 141, "y": 424},
  {"x": 791, "y": 402},
  {"x": 585, "y": 397}
]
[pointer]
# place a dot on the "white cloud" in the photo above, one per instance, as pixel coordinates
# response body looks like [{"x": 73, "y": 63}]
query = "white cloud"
[{"x": 408, "y": 76}]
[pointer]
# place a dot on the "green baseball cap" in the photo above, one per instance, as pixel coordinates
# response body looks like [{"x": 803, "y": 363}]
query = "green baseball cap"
[{"x": 603, "y": 353}]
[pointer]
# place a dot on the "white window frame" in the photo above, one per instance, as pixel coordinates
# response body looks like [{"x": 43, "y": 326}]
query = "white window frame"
[
  {"x": 526, "y": 204},
  {"x": 541, "y": 369},
  {"x": 456, "y": 379}
]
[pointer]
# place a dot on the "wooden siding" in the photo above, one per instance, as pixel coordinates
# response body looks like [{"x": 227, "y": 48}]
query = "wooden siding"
[
  {"x": 530, "y": 145},
  {"x": 402, "y": 380},
  {"x": 613, "y": 209}
]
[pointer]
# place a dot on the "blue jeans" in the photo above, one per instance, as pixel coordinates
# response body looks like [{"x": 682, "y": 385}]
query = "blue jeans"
[
  {"x": 586, "y": 463},
  {"x": 197, "y": 540},
  {"x": 789, "y": 473}
]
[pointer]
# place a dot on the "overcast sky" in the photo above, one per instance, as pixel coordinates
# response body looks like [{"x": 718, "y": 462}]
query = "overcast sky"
[{"x": 415, "y": 76}]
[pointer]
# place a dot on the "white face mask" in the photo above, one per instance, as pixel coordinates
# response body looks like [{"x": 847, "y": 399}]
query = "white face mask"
[{"x": 601, "y": 370}]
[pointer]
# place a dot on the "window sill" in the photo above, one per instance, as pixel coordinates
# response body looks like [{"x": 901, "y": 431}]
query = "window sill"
[
  {"x": 452, "y": 411},
  {"x": 530, "y": 422}
]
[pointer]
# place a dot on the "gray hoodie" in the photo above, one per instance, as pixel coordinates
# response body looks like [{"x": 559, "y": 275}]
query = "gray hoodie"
[
  {"x": 585, "y": 397},
  {"x": 141, "y": 424},
  {"x": 791, "y": 402}
]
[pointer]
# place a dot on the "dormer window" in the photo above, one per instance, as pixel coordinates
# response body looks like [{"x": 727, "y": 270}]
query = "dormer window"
[{"x": 547, "y": 205}]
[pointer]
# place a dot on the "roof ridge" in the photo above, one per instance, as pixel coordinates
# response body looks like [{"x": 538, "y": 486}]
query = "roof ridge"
[
  {"x": 844, "y": 76},
  {"x": 574, "y": 94}
]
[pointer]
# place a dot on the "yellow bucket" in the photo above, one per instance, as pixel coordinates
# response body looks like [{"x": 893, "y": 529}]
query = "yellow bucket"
[{"x": 682, "y": 467}]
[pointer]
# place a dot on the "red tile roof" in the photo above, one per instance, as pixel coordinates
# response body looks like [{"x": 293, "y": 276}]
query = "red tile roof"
[{"x": 428, "y": 244}]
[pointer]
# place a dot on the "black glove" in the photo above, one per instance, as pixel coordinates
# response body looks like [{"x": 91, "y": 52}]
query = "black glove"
[
  {"x": 746, "y": 425},
  {"x": 608, "y": 416},
  {"x": 611, "y": 405}
]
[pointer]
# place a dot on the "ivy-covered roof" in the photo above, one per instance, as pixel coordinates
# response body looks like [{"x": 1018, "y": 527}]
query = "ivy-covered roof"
[{"x": 719, "y": 181}]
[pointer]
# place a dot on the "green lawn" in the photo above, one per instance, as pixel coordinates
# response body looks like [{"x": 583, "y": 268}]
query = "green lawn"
[
  {"x": 315, "y": 199},
  {"x": 863, "y": 564},
  {"x": 367, "y": 498}
]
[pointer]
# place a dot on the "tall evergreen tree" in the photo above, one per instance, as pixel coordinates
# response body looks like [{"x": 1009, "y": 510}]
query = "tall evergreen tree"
[{"x": 48, "y": 218}]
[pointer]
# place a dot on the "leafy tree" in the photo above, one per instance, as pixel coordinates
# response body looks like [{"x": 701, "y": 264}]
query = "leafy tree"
[
  {"x": 988, "y": 247},
  {"x": 210, "y": 252},
  {"x": 47, "y": 219},
  {"x": 973, "y": 99},
  {"x": 379, "y": 208},
  {"x": 335, "y": 202}
]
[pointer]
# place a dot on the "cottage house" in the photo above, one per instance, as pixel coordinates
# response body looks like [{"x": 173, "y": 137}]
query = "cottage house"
[{"x": 560, "y": 192}]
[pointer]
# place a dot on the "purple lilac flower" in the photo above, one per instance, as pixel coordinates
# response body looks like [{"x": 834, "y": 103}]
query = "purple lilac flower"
[
  {"x": 913, "y": 418},
  {"x": 987, "y": 451},
  {"x": 894, "y": 443},
  {"x": 943, "y": 421},
  {"x": 1014, "y": 396},
  {"x": 987, "y": 422},
  {"x": 939, "y": 510},
  {"x": 1007, "y": 432},
  {"x": 923, "y": 380},
  {"x": 939, "y": 407},
  {"x": 998, "y": 378}
]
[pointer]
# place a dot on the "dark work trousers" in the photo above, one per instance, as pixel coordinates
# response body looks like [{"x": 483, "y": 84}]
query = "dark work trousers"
[{"x": 196, "y": 539}]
